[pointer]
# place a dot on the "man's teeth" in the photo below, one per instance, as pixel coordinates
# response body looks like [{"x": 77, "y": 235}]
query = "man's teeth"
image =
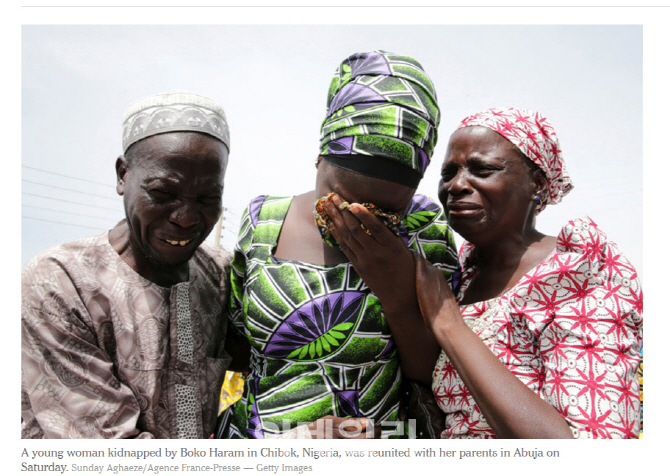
[{"x": 178, "y": 243}]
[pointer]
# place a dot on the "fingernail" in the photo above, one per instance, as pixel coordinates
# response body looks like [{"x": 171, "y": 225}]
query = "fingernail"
[{"x": 341, "y": 204}]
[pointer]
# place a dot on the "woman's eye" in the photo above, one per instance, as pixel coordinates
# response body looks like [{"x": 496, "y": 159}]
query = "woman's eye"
[
  {"x": 447, "y": 175},
  {"x": 485, "y": 171}
]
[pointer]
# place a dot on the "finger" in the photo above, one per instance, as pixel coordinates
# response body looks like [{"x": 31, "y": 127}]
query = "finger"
[
  {"x": 374, "y": 225},
  {"x": 364, "y": 429},
  {"x": 353, "y": 428},
  {"x": 355, "y": 228},
  {"x": 354, "y": 424},
  {"x": 338, "y": 228},
  {"x": 345, "y": 227}
]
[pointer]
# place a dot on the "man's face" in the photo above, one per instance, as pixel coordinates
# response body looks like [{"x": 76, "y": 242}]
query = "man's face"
[{"x": 172, "y": 186}]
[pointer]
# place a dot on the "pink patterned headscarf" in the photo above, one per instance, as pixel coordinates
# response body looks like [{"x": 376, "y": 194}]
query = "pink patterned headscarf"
[{"x": 532, "y": 133}]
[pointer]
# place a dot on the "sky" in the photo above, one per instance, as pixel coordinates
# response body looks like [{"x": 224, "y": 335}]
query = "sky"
[
  {"x": 598, "y": 73},
  {"x": 272, "y": 81}
]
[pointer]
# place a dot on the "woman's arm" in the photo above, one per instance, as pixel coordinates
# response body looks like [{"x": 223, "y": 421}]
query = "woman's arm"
[
  {"x": 509, "y": 406},
  {"x": 387, "y": 267}
]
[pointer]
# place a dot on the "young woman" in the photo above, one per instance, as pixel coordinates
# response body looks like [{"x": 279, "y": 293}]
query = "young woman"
[{"x": 324, "y": 338}]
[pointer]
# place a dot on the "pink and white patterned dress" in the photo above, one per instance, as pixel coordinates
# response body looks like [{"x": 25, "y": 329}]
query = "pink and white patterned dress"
[{"x": 570, "y": 329}]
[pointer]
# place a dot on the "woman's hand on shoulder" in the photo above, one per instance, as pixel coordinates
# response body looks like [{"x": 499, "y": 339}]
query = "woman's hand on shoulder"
[{"x": 436, "y": 300}]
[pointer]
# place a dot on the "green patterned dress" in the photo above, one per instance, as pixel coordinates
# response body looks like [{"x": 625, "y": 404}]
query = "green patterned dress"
[{"x": 320, "y": 343}]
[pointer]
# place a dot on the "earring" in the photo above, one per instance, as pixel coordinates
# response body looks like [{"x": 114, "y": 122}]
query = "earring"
[{"x": 536, "y": 198}]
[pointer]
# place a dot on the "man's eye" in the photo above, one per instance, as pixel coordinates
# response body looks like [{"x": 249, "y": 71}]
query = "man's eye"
[
  {"x": 211, "y": 200},
  {"x": 161, "y": 194}
]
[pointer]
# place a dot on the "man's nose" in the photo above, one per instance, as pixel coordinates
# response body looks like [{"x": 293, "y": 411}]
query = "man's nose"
[{"x": 186, "y": 215}]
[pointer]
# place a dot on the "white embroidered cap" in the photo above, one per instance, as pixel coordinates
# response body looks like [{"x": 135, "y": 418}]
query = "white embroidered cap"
[{"x": 174, "y": 111}]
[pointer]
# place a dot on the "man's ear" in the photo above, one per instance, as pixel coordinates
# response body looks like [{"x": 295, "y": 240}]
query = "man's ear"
[{"x": 121, "y": 173}]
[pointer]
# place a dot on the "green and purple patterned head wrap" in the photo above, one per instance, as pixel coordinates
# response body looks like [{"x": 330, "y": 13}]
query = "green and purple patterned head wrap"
[{"x": 382, "y": 117}]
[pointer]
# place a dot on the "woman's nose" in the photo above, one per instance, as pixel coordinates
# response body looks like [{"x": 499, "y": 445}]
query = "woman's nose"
[{"x": 458, "y": 184}]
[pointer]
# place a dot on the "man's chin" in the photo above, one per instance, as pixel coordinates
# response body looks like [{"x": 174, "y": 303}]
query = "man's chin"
[{"x": 165, "y": 262}]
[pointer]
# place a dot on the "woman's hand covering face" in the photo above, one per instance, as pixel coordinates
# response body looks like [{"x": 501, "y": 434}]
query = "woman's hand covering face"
[
  {"x": 393, "y": 221},
  {"x": 380, "y": 257},
  {"x": 386, "y": 264}
]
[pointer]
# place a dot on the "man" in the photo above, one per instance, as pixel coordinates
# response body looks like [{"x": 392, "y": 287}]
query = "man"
[{"x": 123, "y": 333}]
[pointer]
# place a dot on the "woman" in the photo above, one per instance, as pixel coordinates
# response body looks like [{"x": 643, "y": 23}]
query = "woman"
[
  {"x": 320, "y": 335},
  {"x": 543, "y": 337}
]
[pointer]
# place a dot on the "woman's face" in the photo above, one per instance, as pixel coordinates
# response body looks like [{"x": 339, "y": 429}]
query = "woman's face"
[
  {"x": 357, "y": 188},
  {"x": 486, "y": 188}
]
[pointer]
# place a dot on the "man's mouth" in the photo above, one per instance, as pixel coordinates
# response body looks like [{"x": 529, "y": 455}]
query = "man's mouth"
[{"x": 178, "y": 243}]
